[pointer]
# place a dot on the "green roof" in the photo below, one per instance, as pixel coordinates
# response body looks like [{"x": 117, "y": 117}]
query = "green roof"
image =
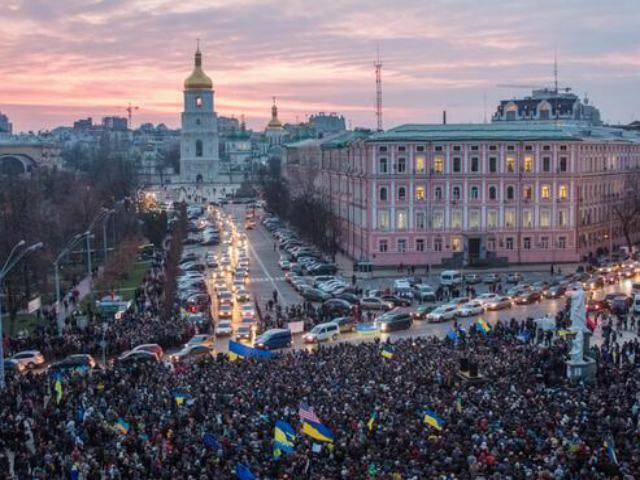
[{"x": 343, "y": 139}]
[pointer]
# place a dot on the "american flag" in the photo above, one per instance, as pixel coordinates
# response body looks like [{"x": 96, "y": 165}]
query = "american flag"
[{"x": 306, "y": 413}]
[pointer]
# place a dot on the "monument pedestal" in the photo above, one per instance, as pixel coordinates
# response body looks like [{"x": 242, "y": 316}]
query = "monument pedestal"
[{"x": 582, "y": 370}]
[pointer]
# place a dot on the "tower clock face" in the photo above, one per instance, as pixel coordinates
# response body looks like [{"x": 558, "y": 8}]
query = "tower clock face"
[{"x": 199, "y": 102}]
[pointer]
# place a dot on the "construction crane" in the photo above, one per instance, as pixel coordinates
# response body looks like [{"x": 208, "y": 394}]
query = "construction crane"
[{"x": 130, "y": 110}]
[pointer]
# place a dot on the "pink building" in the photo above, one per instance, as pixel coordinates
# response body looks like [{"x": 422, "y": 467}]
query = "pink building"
[{"x": 473, "y": 194}]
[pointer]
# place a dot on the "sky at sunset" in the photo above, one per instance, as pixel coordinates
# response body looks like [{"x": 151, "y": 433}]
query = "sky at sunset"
[{"x": 68, "y": 59}]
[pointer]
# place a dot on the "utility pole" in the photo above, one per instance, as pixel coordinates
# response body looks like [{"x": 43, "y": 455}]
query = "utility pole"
[{"x": 130, "y": 108}]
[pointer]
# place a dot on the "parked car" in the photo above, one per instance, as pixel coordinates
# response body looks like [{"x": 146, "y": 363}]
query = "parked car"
[
  {"x": 392, "y": 321},
  {"x": 336, "y": 306},
  {"x": 352, "y": 298},
  {"x": 491, "y": 278},
  {"x": 135, "y": 357},
  {"x": 324, "y": 269},
  {"x": 374, "y": 303},
  {"x": 499, "y": 303},
  {"x": 29, "y": 358},
  {"x": 314, "y": 294},
  {"x": 472, "y": 278},
  {"x": 345, "y": 324},
  {"x": 192, "y": 352},
  {"x": 397, "y": 301},
  {"x": 527, "y": 298},
  {"x": 514, "y": 277},
  {"x": 150, "y": 347},
  {"x": 469, "y": 309},
  {"x": 424, "y": 293},
  {"x": 80, "y": 360},
  {"x": 224, "y": 328},
  {"x": 442, "y": 313},
  {"x": 486, "y": 297},
  {"x": 202, "y": 339}
]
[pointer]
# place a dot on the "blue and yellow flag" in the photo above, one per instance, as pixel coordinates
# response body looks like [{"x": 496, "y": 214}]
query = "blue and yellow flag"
[
  {"x": 58, "y": 388},
  {"x": 432, "y": 419},
  {"x": 372, "y": 420},
  {"x": 239, "y": 350},
  {"x": 482, "y": 326},
  {"x": 611, "y": 449},
  {"x": 387, "y": 350},
  {"x": 459, "y": 404},
  {"x": 123, "y": 426},
  {"x": 453, "y": 335},
  {"x": 317, "y": 431},
  {"x": 284, "y": 437},
  {"x": 180, "y": 398}
]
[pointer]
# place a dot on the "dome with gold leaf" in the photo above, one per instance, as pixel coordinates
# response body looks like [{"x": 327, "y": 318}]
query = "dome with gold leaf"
[{"x": 198, "y": 80}]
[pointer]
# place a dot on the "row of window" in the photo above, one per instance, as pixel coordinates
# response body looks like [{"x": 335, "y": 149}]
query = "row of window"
[
  {"x": 474, "y": 192},
  {"x": 473, "y": 148},
  {"x": 438, "y": 165},
  {"x": 474, "y": 220},
  {"x": 420, "y": 244}
]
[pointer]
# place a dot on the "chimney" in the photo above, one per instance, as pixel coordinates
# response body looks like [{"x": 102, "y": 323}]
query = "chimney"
[{"x": 444, "y": 117}]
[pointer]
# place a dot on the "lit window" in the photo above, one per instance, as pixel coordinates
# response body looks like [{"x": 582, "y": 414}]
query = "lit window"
[
  {"x": 401, "y": 223},
  {"x": 492, "y": 219},
  {"x": 383, "y": 219},
  {"x": 199, "y": 102},
  {"x": 562, "y": 192},
  {"x": 438, "y": 164},
  {"x": 545, "y": 218},
  {"x": 528, "y": 163},
  {"x": 456, "y": 244},
  {"x": 420, "y": 193},
  {"x": 474, "y": 218},
  {"x": 438, "y": 219},
  {"x": 456, "y": 218},
  {"x": 563, "y": 218},
  {"x": 527, "y": 218},
  {"x": 420, "y": 163},
  {"x": 527, "y": 192},
  {"x": 545, "y": 192},
  {"x": 510, "y": 164},
  {"x": 509, "y": 218}
]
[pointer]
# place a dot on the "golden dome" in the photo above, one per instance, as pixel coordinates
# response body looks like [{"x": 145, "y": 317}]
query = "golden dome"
[
  {"x": 198, "y": 79},
  {"x": 274, "y": 122}
]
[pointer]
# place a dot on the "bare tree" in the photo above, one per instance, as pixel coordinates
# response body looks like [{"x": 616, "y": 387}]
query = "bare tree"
[{"x": 626, "y": 209}]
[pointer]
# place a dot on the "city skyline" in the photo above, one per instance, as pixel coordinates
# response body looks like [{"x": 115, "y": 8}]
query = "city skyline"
[{"x": 81, "y": 59}]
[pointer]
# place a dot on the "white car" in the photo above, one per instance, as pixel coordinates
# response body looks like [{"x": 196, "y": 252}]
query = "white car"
[
  {"x": 469, "y": 309},
  {"x": 284, "y": 264},
  {"x": 224, "y": 328},
  {"x": 247, "y": 311},
  {"x": 486, "y": 298},
  {"x": 201, "y": 340},
  {"x": 29, "y": 358},
  {"x": 443, "y": 313},
  {"x": 225, "y": 311},
  {"x": 424, "y": 293}
]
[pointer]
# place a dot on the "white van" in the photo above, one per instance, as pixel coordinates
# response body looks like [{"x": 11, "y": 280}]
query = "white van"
[
  {"x": 322, "y": 332},
  {"x": 450, "y": 278},
  {"x": 636, "y": 303}
]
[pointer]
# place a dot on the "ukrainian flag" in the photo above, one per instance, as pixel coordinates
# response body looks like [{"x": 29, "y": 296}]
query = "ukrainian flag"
[
  {"x": 58, "y": 388},
  {"x": 432, "y": 419},
  {"x": 387, "y": 350},
  {"x": 123, "y": 426},
  {"x": 372, "y": 419},
  {"x": 317, "y": 431},
  {"x": 611, "y": 449},
  {"x": 482, "y": 326},
  {"x": 238, "y": 350},
  {"x": 283, "y": 438},
  {"x": 180, "y": 398}
]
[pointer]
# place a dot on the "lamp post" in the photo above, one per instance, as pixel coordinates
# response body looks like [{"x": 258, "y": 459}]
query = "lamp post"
[
  {"x": 108, "y": 214},
  {"x": 6, "y": 268}
]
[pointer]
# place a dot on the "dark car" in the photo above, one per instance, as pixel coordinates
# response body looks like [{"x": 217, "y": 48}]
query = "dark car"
[
  {"x": 397, "y": 301},
  {"x": 620, "y": 305},
  {"x": 274, "y": 339},
  {"x": 597, "y": 306},
  {"x": 323, "y": 269},
  {"x": 345, "y": 324},
  {"x": 74, "y": 361},
  {"x": 554, "y": 291},
  {"x": 314, "y": 294},
  {"x": 138, "y": 357},
  {"x": 352, "y": 298},
  {"x": 422, "y": 311},
  {"x": 391, "y": 321},
  {"x": 336, "y": 306},
  {"x": 527, "y": 298},
  {"x": 610, "y": 297}
]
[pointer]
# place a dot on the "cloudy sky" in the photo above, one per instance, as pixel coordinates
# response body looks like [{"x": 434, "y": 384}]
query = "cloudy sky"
[{"x": 63, "y": 60}]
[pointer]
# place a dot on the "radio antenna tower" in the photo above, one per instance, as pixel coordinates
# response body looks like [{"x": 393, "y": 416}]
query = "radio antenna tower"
[{"x": 378, "y": 67}]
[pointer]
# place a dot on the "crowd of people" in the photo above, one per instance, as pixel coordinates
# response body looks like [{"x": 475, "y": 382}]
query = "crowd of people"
[{"x": 522, "y": 420}]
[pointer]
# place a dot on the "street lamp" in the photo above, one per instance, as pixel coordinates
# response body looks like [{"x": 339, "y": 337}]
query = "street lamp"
[
  {"x": 6, "y": 268},
  {"x": 108, "y": 214}
]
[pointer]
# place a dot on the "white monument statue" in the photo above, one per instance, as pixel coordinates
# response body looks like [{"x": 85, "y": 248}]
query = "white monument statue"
[{"x": 578, "y": 324}]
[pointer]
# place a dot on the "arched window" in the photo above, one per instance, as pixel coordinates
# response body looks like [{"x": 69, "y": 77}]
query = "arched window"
[
  {"x": 510, "y": 193},
  {"x": 474, "y": 193},
  {"x": 437, "y": 192},
  {"x": 492, "y": 193},
  {"x": 198, "y": 148},
  {"x": 383, "y": 194},
  {"x": 402, "y": 193},
  {"x": 455, "y": 193}
]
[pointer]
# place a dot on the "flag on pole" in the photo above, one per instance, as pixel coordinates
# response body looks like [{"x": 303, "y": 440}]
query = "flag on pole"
[
  {"x": 306, "y": 412},
  {"x": 387, "y": 350},
  {"x": 432, "y": 419},
  {"x": 372, "y": 419}
]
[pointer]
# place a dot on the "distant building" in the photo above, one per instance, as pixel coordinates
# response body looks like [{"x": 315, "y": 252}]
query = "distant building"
[
  {"x": 275, "y": 132},
  {"x": 83, "y": 124},
  {"x": 326, "y": 124},
  {"x": 228, "y": 126},
  {"x": 117, "y": 124},
  {"x": 546, "y": 105},
  {"x": 24, "y": 154},
  {"x": 6, "y": 128}
]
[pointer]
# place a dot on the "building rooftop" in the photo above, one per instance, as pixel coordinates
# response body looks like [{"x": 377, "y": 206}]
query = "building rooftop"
[{"x": 504, "y": 132}]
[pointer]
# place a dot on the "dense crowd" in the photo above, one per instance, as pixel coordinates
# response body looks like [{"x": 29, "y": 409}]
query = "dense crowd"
[
  {"x": 141, "y": 323},
  {"x": 523, "y": 421}
]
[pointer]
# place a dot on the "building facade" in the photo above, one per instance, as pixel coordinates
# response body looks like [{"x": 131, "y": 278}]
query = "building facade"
[
  {"x": 199, "y": 144},
  {"x": 475, "y": 194}
]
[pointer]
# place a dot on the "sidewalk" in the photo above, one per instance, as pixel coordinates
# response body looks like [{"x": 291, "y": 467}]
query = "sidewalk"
[
  {"x": 345, "y": 265},
  {"x": 84, "y": 288}
]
